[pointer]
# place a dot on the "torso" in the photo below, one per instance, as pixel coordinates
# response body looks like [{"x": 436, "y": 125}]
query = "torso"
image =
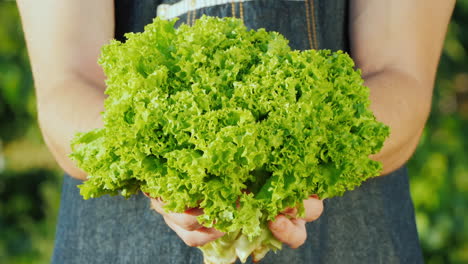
[{"x": 372, "y": 224}]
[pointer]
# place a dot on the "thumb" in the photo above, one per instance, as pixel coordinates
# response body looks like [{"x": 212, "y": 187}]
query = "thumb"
[{"x": 292, "y": 232}]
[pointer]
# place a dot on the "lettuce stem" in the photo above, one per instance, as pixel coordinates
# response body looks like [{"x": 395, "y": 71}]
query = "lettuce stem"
[{"x": 233, "y": 245}]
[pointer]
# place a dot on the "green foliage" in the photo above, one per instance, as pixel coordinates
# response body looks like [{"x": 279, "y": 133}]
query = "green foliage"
[
  {"x": 28, "y": 197},
  {"x": 215, "y": 114},
  {"x": 28, "y": 205},
  {"x": 439, "y": 168},
  {"x": 16, "y": 95}
]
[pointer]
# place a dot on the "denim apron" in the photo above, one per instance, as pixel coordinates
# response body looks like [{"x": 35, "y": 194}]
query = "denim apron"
[{"x": 372, "y": 224}]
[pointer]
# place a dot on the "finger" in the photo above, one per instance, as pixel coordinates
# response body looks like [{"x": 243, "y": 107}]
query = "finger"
[
  {"x": 194, "y": 211},
  {"x": 290, "y": 211},
  {"x": 157, "y": 205},
  {"x": 186, "y": 221},
  {"x": 289, "y": 231},
  {"x": 209, "y": 230},
  {"x": 195, "y": 238},
  {"x": 313, "y": 209}
]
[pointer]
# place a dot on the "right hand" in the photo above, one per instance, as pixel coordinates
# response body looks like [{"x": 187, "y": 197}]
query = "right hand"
[
  {"x": 292, "y": 231},
  {"x": 186, "y": 225}
]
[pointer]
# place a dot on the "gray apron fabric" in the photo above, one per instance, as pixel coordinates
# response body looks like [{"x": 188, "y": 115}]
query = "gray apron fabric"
[{"x": 372, "y": 224}]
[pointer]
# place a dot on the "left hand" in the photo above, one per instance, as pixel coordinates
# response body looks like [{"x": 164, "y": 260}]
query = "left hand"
[{"x": 292, "y": 231}]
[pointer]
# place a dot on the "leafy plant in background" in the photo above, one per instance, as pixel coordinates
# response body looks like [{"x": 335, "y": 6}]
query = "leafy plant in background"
[
  {"x": 16, "y": 100},
  {"x": 439, "y": 168},
  {"x": 28, "y": 204},
  {"x": 28, "y": 194}
]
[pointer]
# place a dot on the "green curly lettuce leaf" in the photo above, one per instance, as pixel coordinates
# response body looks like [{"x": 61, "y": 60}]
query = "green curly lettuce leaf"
[{"x": 231, "y": 120}]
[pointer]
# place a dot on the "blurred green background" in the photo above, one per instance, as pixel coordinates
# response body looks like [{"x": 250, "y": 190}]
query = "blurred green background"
[{"x": 30, "y": 180}]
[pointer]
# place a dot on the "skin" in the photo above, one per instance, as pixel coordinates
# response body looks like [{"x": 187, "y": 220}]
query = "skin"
[{"x": 396, "y": 44}]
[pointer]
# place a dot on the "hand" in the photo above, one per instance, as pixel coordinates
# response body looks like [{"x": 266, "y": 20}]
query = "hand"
[
  {"x": 186, "y": 225},
  {"x": 292, "y": 231}
]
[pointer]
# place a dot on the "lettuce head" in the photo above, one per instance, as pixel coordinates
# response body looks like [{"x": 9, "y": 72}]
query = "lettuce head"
[{"x": 230, "y": 120}]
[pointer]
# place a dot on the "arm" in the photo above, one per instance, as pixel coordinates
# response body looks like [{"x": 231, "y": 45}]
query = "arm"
[
  {"x": 397, "y": 45},
  {"x": 64, "y": 40}
]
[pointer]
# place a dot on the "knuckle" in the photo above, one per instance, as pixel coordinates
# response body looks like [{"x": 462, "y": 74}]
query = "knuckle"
[{"x": 278, "y": 226}]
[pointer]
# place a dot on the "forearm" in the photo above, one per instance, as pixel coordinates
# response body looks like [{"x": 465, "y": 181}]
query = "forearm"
[
  {"x": 71, "y": 105},
  {"x": 402, "y": 103},
  {"x": 64, "y": 39},
  {"x": 397, "y": 45}
]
